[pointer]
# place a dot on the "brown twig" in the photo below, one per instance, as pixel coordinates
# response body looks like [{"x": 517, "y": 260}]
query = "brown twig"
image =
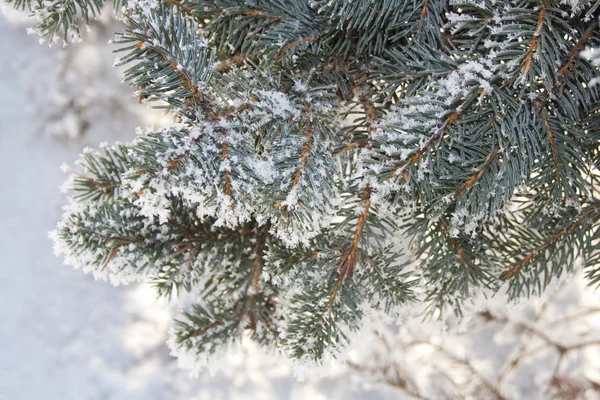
[
  {"x": 457, "y": 248},
  {"x": 552, "y": 146},
  {"x": 184, "y": 77},
  {"x": 576, "y": 49},
  {"x": 433, "y": 140},
  {"x": 203, "y": 329},
  {"x": 308, "y": 140},
  {"x": 521, "y": 354},
  {"x": 463, "y": 361},
  {"x": 304, "y": 153},
  {"x": 261, "y": 241},
  {"x": 259, "y": 251},
  {"x": 111, "y": 255},
  {"x": 526, "y": 63},
  {"x": 513, "y": 270},
  {"x": 180, "y": 4},
  {"x": 254, "y": 13},
  {"x": 477, "y": 173},
  {"x": 224, "y": 155},
  {"x": 399, "y": 382},
  {"x": 96, "y": 184},
  {"x": 288, "y": 46},
  {"x": 424, "y": 9},
  {"x": 347, "y": 261},
  {"x": 121, "y": 241},
  {"x": 353, "y": 145},
  {"x": 568, "y": 318}
]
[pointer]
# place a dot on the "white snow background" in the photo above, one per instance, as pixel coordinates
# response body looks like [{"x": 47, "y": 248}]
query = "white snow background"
[{"x": 65, "y": 336}]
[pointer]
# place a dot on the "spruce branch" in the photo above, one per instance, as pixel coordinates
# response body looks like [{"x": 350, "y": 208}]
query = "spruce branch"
[
  {"x": 588, "y": 214},
  {"x": 552, "y": 146},
  {"x": 527, "y": 60},
  {"x": 575, "y": 51},
  {"x": 473, "y": 178},
  {"x": 346, "y": 263},
  {"x": 311, "y": 136},
  {"x": 416, "y": 155}
]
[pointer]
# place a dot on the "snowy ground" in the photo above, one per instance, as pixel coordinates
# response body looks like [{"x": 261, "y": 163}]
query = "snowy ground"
[{"x": 65, "y": 336}]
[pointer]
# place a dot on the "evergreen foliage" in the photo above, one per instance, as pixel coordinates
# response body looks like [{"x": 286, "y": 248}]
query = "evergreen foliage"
[{"x": 312, "y": 136}]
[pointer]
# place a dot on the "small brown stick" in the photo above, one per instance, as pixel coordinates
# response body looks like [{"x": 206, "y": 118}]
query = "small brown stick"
[
  {"x": 180, "y": 4},
  {"x": 576, "y": 49},
  {"x": 512, "y": 271},
  {"x": 434, "y": 139},
  {"x": 256, "y": 13},
  {"x": 288, "y": 46},
  {"x": 424, "y": 9},
  {"x": 203, "y": 329},
  {"x": 457, "y": 248},
  {"x": 477, "y": 173},
  {"x": 347, "y": 261},
  {"x": 552, "y": 146},
  {"x": 526, "y": 63}
]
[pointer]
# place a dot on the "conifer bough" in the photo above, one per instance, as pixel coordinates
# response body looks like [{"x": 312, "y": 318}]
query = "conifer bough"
[{"x": 311, "y": 137}]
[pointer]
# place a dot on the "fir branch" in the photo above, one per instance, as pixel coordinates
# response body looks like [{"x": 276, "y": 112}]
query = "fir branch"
[
  {"x": 423, "y": 9},
  {"x": 193, "y": 88},
  {"x": 224, "y": 155},
  {"x": 461, "y": 112},
  {"x": 169, "y": 66},
  {"x": 589, "y": 212},
  {"x": 346, "y": 263},
  {"x": 308, "y": 140},
  {"x": 179, "y": 4},
  {"x": 291, "y": 45},
  {"x": 526, "y": 63},
  {"x": 203, "y": 329},
  {"x": 473, "y": 178},
  {"x": 247, "y": 12},
  {"x": 575, "y": 51},
  {"x": 62, "y": 17},
  {"x": 456, "y": 246},
  {"x": 416, "y": 155},
  {"x": 552, "y": 146}
]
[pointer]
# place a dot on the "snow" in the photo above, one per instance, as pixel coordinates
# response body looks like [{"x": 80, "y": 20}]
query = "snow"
[
  {"x": 278, "y": 103},
  {"x": 593, "y": 55}
]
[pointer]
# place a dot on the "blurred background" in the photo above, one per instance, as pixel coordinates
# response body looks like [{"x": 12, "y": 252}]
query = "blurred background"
[{"x": 65, "y": 336}]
